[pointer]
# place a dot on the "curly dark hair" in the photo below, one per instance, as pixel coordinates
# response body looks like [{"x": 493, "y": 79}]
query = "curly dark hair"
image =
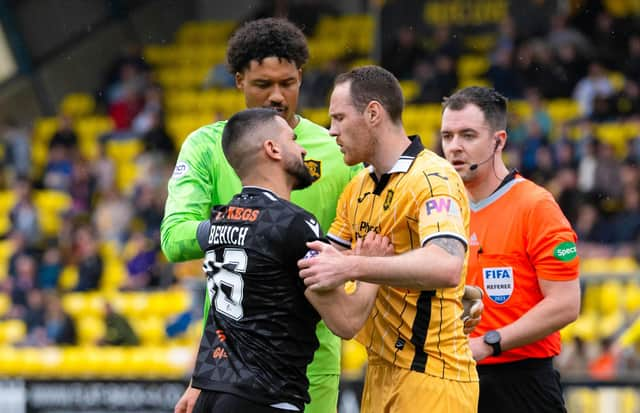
[{"x": 263, "y": 38}]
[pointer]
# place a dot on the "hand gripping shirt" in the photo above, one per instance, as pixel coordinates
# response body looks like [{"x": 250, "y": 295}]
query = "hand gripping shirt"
[
  {"x": 203, "y": 178},
  {"x": 518, "y": 235},
  {"x": 421, "y": 198}
]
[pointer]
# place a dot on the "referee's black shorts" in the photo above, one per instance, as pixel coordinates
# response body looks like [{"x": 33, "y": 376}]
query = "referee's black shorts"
[
  {"x": 215, "y": 402},
  {"x": 530, "y": 385}
]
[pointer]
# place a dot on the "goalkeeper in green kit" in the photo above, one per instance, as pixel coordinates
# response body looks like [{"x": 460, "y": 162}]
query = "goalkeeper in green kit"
[{"x": 266, "y": 57}]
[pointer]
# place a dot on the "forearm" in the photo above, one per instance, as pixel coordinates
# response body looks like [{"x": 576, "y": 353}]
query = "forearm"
[
  {"x": 178, "y": 239},
  {"x": 344, "y": 314},
  {"x": 425, "y": 268},
  {"x": 546, "y": 317}
]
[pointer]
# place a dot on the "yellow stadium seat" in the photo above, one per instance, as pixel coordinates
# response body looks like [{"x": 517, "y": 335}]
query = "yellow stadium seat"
[
  {"x": 623, "y": 265},
  {"x": 472, "y": 66},
  {"x": 150, "y": 330},
  {"x": 473, "y": 81},
  {"x": 50, "y": 360},
  {"x": 44, "y": 128},
  {"x": 354, "y": 358},
  {"x": 611, "y": 294},
  {"x": 7, "y": 200},
  {"x": 68, "y": 278},
  {"x": 78, "y": 104},
  {"x": 12, "y": 331},
  {"x": 317, "y": 115},
  {"x": 122, "y": 151},
  {"x": 562, "y": 110},
  {"x": 583, "y": 400},
  {"x": 611, "y": 323},
  {"x": 114, "y": 274},
  {"x": 410, "y": 89},
  {"x": 594, "y": 265},
  {"x": 5, "y": 304},
  {"x": 9, "y": 361},
  {"x": 90, "y": 329},
  {"x": 632, "y": 297},
  {"x": 586, "y": 326}
]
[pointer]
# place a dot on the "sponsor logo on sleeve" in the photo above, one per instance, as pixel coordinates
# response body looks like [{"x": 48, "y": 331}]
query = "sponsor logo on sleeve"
[
  {"x": 181, "y": 169},
  {"x": 442, "y": 205},
  {"x": 565, "y": 251},
  {"x": 498, "y": 283}
]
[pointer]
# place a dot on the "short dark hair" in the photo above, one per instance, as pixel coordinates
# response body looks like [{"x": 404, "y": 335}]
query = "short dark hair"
[
  {"x": 374, "y": 83},
  {"x": 492, "y": 104},
  {"x": 241, "y": 126},
  {"x": 270, "y": 37}
]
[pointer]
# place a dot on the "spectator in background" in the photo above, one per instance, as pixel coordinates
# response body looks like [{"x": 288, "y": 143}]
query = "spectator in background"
[
  {"x": 588, "y": 161},
  {"x": 90, "y": 265},
  {"x": 627, "y": 222},
  {"x": 59, "y": 325},
  {"x": 50, "y": 268},
  {"x": 21, "y": 283},
  {"x": 140, "y": 255},
  {"x": 149, "y": 207},
  {"x": 83, "y": 185},
  {"x": 112, "y": 217},
  {"x": 118, "y": 330},
  {"x": 502, "y": 74},
  {"x": 152, "y": 110},
  {"x": 403, "y": 53},
  {"x": 104, "y": 170},
  {"x": 444, "y": 43},
  {"x": 627, "y": 101},
  {"x": 608, "y": 173},
  {"x": 561, "y": 35},
  {"x": 57, "y": 174},
  {"x": 534, "y": 140},
  {"x": 596, "y": 83},
  {"x": 130, "y": 64},
  {"x": 24, "y": 214},
  {"x": 631, "y": 67},
  {"x": 156, "y": 140},
  {"x": 17, "y": 147},
  {"x": 607, "y": 37},
  {"x": 574, "y": 68},
  {"x": 65, "y": 136},
  {"x": 34, "y": 312},
  {"x": 564, "y": 188}
]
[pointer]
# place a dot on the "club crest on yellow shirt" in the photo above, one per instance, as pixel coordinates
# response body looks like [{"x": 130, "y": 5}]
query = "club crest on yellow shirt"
[
  {"x": 388, "y": 199},
  {"x": 314, "y": 167}
]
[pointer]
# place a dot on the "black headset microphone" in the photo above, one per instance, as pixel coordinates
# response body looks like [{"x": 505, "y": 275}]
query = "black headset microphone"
[{"x": 474, "y": 166}]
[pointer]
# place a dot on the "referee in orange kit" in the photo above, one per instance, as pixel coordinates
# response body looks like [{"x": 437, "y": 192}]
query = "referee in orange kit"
[{"x": 522, "y": 253}]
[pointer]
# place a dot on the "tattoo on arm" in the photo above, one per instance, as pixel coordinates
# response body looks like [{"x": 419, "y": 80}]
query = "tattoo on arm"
[{"x": 453, "y": 246}]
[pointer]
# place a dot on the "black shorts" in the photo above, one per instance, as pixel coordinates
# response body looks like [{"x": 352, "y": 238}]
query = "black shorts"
[
  {"x": 215, "y": 402},
  {"x": 530, "y": 385}
]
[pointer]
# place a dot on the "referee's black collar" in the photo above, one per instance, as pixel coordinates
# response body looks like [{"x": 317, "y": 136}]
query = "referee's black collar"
[{"x": 402, "y": 165}]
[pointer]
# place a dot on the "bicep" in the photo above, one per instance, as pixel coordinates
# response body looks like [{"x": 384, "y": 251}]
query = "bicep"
[
  {"x": 565, "y": 292},
  {"x": 453, "y": 246}
]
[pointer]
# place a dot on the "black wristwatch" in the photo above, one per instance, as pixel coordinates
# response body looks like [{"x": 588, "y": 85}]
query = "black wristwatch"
[{"x": 493, "y": 338}]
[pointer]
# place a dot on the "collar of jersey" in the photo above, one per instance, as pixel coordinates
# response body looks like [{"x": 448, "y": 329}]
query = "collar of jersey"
[
  {"x": 477, "y": 206},
  {"x": 406, "y": 159},
  {"x": 253, "y": 189},
  {"x": 402, "y": 164}
]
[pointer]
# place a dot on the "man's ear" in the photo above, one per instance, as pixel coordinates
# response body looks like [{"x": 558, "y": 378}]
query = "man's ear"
[
  {"x": 373, "y": 113},
  {"x": 240, "y": 81},
  {"x": 272, "y": 149}
]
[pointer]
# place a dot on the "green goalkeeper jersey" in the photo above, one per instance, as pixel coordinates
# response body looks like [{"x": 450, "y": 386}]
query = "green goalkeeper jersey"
[{"x": 203, "y": 178}]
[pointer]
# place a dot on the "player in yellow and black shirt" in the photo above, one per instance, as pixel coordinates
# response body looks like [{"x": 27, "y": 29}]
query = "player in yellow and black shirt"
[{"x": 419, "y": 357}]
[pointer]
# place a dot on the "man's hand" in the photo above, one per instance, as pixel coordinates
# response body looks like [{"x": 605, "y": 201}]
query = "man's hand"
[
  {"x": 327, "y": 270},
  {"x": 479, "y": 348},
  {"x": 187, "y": 401},
  {"x": 373, "y": 245},
  {"x": 473, "y": 307}
]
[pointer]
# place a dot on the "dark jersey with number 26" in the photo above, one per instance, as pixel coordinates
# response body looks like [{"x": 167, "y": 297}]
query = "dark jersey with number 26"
[{"x": 260, "y": 332}]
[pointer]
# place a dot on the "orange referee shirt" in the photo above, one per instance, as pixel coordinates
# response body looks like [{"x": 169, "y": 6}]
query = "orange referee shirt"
[
  {"x": 422, "y": 197},
  {"x": 518, "y": 235}
]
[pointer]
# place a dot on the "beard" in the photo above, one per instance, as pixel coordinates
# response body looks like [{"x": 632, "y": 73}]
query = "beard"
[{"x": 301, "y": 175}]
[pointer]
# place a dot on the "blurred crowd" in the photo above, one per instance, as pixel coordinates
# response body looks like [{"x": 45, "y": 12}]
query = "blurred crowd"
[{"x": 591, "y": 56}]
